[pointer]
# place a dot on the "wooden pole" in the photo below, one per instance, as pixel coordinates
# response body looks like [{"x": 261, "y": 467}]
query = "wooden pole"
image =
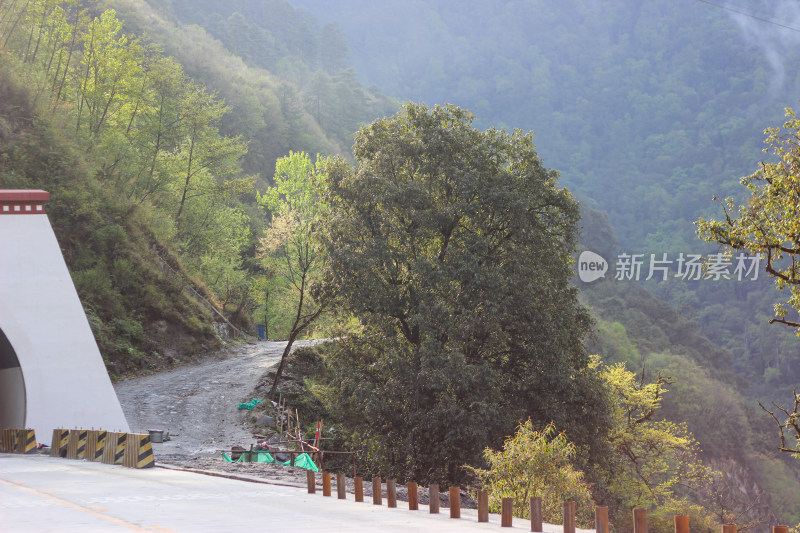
[
  {"x": 780, "y": 529},
  {"x": 312, "y": 482},
  {"x": 433, "y": 498},
  {"x": 536, "y": 514},
  {"x": 483, "y": 506},
  {"x": 601, "y": 519},
  {"x": 455, "y": 502},
  {"x": 359, "y": 488},
  {"x": 507, "y": 514},
  {"x": 729, "y": 528},
  {"x": 413, "y": 496},
  {"x": 341, "y": 487},
  {"x": 681, "y": 524},
  {"x": 377, "y": 497},
  {"x": 640, "y": 521},
  {"x": 326, "y": 483},
  {"x": 391, "y": 493},
  {"x": 569, "y": 516}
]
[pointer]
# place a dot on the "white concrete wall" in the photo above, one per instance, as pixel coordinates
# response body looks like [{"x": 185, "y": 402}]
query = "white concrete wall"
[{"x": 66, "y": 382}]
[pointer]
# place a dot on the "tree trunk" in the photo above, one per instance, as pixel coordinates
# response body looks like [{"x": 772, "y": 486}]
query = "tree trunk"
[{"x": 281, "y": 365}]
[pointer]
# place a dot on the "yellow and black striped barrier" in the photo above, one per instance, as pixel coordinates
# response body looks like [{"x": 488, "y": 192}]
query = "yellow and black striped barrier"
[
  {"x": 58, "y": 446},
  {"x": 114, "y": 451},
  {"x": 8, "y": 441},
  {"x": 18, "y": 441},
  {"x": 95, "y": 445},
  {"x": 138, "y": 452},
  {"x": 26, "y": 441},
  {"x": 76, "y": 447}
]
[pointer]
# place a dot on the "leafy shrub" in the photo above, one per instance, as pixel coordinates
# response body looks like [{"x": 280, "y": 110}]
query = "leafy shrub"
[{"x": 536, "y": 463}]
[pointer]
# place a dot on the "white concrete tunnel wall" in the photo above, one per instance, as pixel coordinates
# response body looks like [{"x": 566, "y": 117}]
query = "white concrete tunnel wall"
[{"x": 66, "y": 384}]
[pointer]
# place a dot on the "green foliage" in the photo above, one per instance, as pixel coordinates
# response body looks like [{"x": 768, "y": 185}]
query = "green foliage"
[
  {"x": 655, "y": 462},
  {"x": 613, "y": 342},
  {"x": 282, "y": 74},
  {"x": 646, "y": 108},
  {"x": 130, "y": 150},
  {"x": 291, "y": 250},
  {"x": 730, "y": 430},
  {"x": 766, "y": 223},
  {"x": 536, "y": 463},
  {"x": 453, "y": 246},
  {"x": 275, "y": 36}
]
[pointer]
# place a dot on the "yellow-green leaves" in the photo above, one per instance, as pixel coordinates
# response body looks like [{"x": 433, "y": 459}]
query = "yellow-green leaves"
[
  {"x": 536, "y": 463},
  {"x": 655, "y": 462},
  {"x": 289, "y": 250},
  {"x": 768, "y": 222}
]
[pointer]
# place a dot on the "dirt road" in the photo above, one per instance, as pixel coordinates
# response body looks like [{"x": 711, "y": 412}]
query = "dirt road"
[{"x": 198, "y": 404}]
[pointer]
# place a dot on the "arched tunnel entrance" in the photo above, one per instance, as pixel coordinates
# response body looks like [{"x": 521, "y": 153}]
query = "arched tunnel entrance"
[{"x": 12, "y": 387}]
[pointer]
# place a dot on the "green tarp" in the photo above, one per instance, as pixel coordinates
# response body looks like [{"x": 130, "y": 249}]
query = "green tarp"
[
  {"x": 301, "y": 461},
  {"x": 258, "y": 457},
  {"x": 249, "y": 405}
]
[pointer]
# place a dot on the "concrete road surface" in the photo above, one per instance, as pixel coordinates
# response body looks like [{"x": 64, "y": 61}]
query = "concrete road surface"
[{"x": 40, "y": 493}]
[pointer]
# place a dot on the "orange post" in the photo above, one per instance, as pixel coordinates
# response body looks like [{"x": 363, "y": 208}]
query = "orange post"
[
  {"x": 601, "y": 519},
  {"x": 413, "y": 496},
  {"x": 326, "y": 483},
  {"x": 433, "y": 498},
  {"x": 640, "y": 521},
  {"x": 507, "y": 513},
  {"x": 483, "y": 506},
  {"x": 536, "y": 514},
  {"x": 729, "y": 528},
  {"x": 391, "y": 493},
  {"x": 780, "y": 529},
  {"x": 681, "y": 524},
  {"x": 377, "y": 497},
  {"x": 455, "y": 502},
  {"x": 359, "y": 488},
  {"x": 341, "y": 487},
  {"x": 569, "y": 517}
]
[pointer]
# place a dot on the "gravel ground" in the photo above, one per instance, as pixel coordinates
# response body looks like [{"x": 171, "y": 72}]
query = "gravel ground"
[{"x": 198, "y": 405}]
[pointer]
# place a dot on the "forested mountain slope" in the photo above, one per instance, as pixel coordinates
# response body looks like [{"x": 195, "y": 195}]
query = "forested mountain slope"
[
  {"x": 648, "y": 109},
  {"x": 154, "y": 163}
]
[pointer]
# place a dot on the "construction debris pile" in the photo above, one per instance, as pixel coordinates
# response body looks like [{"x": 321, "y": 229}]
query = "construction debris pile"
[{"x": 285, "y": 445}]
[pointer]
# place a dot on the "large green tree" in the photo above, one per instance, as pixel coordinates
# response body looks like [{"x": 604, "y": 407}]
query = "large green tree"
[{"x": 454, "y": 247}]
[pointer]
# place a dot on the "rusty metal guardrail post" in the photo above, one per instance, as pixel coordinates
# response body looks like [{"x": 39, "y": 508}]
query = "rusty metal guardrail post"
[
  {"x": 507, "y": 512},
  {"x": 359, "y": 488},
  {"x": 601, "y": 519},
  {"x": 455, "y": 502},
  {"x": 483, "y": 506},
  {"x": 536, "y": 514},
  {"x": 433, "y": 498},
  {"x": 391, "y": 493},
  {"x": 413, "y": 496},
  {"x": 341, "y": 487},
  {"x": 640, "y": 521}
]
